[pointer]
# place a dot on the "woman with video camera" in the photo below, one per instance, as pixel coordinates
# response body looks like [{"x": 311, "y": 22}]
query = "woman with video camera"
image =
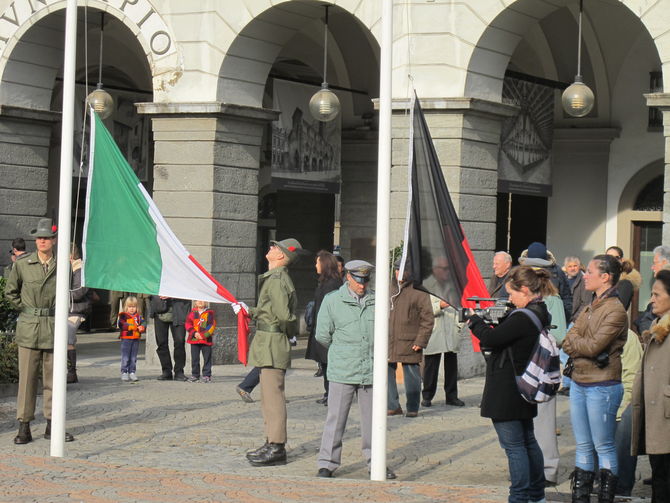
[
  {"x": 594, "y": 344},
  {"x": 512, "y": 416}
]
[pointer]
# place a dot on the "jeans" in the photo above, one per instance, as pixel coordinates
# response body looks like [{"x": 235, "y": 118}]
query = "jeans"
[
  {"x": 627, "y": 463},
  {"x": 593, "y": 416},
  {"x": 251, "y": 380},
  {"x": 412, "y": 379},
  {"x": 524, "y": 457},
  {"x": 206, "y": 351},
  {"x": 565, "y": 381},
  {"x": 129, "y": 349}
]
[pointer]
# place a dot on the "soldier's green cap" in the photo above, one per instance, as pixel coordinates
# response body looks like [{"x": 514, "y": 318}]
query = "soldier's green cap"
[
  {"x": 290, "y": 247},
  {"x": 45, "y": 229}
]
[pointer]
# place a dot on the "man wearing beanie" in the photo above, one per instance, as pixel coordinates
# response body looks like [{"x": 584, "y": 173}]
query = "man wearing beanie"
[
  {"x": 276, "y": 323},
  {"x": 537, "y": 255}
]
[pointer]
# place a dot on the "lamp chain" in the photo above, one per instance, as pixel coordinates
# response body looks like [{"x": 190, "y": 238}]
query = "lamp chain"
[
  {"x": 579, "y": 40},
  {"x": 102, "y": 32},
  {"x": 325, "y": 47}
]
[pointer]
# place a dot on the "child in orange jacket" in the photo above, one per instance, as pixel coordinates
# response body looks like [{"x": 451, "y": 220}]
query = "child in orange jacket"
[
  {"x": 132, "y": 326},
  {"x": 200, "y": 325}
]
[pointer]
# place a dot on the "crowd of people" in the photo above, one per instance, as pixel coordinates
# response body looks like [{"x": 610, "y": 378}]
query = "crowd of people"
[{"x": 617, "y": 379}]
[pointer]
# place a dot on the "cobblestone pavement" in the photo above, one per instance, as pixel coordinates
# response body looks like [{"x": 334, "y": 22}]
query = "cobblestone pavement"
[{"x": 180, "y": 441}]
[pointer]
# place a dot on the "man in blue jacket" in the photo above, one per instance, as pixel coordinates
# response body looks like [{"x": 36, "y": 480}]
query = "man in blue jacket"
[{"x": 345, "y": 325}]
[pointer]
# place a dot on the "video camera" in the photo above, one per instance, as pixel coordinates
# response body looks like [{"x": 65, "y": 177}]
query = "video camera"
[{"x": 493, "y": 314}]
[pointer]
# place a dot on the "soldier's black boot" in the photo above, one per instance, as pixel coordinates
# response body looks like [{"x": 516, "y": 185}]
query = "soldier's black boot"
[
  {"x": 581, "y": 485},
  {"x": 274, "y": 454},
  {"x": 256, "y": 452},
  {"x": 72, "y": 366},
  {"x": 608, "y": 483},
  {"x": 47, "y": 433},
  {"x": 24, "y": 436}
]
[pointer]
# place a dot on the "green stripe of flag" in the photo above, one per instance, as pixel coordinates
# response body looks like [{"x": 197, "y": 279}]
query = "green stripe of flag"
[{"x": 121, "y": 250}]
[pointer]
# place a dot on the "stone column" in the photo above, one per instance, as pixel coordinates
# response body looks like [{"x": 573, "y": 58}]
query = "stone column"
[
  {"x": 25, "y": 137},
  {"x": 662, "y": 101},
  {"x": 207, "y": 157},
  {"x": 466, "y": 135}
]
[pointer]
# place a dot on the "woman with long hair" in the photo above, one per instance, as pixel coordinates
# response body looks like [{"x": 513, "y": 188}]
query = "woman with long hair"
[
  {"x": 651, "y": 393},
  {"x": 594, "y": 344},
  {"x": 328, "y": 281},
  {"x": 511, "y": 344}
]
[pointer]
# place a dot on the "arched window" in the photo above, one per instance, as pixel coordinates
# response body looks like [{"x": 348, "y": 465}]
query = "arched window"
[{"x": 650, "y": 197}]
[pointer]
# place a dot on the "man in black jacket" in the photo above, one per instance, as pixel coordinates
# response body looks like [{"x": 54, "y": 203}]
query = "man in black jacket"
[{"x": 170, "y": 315}]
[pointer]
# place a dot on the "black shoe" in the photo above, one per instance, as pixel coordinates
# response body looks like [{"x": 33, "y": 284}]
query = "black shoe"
[
  {"x": 180, "y": 377},
  {"x": 455, "y": 402},
  {"x": 24, "y": 436},
  {"x": 581, "y": 483},
  {"x": 426, "y": 403},
  {"x": 256, "y": 452},
  {"x": 325, "y": 473},
  {"x": 608, "y": 482},
  {"x": 165, "y": 377},
  {"x": 274, "y": 454},
  {"x": 47, "y": 433},
  {"x": 319, "y": 372},
  {"x": 323, "y": 401}
]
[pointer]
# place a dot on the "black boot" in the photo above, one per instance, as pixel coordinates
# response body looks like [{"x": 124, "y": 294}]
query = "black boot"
[
  {"x": 256, "y": 452},
  {"x": 581, "y": 485},
  {"x": 24, "y": 436},
  {"x": 47, "y": 433},
  {"x": 72, "y": 366},
  {"x": 608, "y": 482},
  {"x": 274, "y": 454}
]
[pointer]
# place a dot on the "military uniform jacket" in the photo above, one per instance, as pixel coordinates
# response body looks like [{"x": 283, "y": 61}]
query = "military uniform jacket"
[
  {"x": 276, "y": 320},
  {"x": 33, "y": 293}
]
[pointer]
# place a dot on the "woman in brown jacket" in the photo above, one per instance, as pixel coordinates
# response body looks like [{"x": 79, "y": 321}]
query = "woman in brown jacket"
[
  {"x": 595, "y": 344},
  {"x": 410, "y": 325},
  {"x": 651, "y": 393}
]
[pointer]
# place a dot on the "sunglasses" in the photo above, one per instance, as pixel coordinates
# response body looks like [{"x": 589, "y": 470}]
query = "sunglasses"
[{"x": 360, "y": 279}]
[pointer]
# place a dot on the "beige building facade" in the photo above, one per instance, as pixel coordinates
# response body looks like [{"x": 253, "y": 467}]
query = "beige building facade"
[{"x": 195, "y": 94}]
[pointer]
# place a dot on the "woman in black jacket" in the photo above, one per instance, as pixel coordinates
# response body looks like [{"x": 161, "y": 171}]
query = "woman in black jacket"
[
  {"x": 512, "y": 416},
  {"x": 329, "y": 280}
]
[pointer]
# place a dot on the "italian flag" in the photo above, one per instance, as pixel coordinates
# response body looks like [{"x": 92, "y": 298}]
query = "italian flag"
[{"x": 127, "y": 245}]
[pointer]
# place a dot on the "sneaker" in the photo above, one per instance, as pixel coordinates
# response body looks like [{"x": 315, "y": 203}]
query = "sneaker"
[
  {"x": 133, "y": 377},
  {"x": 246, "y": 397},
  {"x": 206, "y": 379},
  {"x": 125, "y": 376},
  {"x": 193, "y": 379}
]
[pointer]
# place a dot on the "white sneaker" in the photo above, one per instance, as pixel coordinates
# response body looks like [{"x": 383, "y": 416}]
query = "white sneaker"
[
  {"x": 125, "y": 377},
  {"x": 133, "y": 377}
]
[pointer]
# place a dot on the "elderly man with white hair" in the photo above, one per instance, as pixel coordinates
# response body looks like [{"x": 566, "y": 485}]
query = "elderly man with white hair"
[{"x": 502, "y": 264}]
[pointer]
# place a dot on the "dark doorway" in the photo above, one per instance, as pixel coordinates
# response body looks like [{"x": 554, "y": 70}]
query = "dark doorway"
[
  {"x": 526, "y": 223},
  {"x": 646, "y": 237},
  {"x": 310, "y": 218}
]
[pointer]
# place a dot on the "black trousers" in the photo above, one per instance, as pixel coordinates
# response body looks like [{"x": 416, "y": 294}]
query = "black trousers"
[
  {"x": 431, "y": 369},
  {"x": 196, "y": 351},
  {"x": 660, "y": 478},
  {"x": 251, "y": 380},
  {"x": 163, "y": 350}
]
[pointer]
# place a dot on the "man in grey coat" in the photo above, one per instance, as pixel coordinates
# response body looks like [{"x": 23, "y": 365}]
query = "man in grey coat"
[{"x": 345, "y": 325}]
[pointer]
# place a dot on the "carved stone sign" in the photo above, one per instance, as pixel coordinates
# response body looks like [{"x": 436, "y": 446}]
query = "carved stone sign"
[{"x": 139, "y": 15}]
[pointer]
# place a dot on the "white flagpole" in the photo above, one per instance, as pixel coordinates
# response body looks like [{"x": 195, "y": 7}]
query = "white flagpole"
[
  {"x": 64, "y": 215},
  {"x": 379, "y": 390}
]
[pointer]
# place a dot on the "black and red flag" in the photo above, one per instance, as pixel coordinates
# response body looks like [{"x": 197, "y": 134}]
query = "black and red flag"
[{"x": 436, "y": 250}]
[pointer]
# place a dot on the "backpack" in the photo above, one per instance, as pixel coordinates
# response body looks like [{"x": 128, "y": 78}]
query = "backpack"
[{"x": 542, "y": 377}]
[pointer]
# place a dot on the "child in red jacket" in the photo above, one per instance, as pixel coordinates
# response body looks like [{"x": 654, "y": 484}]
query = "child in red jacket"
[
  {"x": 132, "y": 326},
  {"x": 200, "y": 325}
]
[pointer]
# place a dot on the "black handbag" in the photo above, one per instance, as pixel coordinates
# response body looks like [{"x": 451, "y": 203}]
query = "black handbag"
[
  {"x": 569, "y": 367},
  {"x": 158, "y": 305}
]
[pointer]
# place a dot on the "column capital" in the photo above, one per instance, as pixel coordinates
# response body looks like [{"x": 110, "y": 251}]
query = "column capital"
[
  {"x": 458, "y": 105},
  {"x": 207, "y": 108},
  {"x": 660, "y": 100}
]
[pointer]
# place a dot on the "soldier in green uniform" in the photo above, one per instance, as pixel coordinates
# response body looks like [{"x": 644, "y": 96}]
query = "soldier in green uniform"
[
  {"x": 31, "y": 289},
  {"x": 276, "y": 323}
]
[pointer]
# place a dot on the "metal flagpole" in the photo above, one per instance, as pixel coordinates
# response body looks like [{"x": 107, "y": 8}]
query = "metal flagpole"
[
  {"x": 63, "y": 255},
  {"x": 379, "y": 390}
]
